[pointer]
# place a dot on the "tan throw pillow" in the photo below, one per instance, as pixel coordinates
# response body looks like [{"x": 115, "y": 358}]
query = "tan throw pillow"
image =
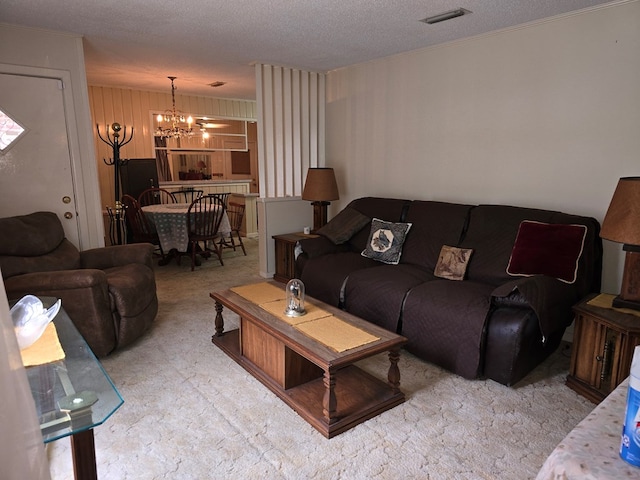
[{"x": 452, "y": 262}]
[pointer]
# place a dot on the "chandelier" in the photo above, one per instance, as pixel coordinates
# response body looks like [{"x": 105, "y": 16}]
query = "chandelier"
[{"x": 175, "y": 120}]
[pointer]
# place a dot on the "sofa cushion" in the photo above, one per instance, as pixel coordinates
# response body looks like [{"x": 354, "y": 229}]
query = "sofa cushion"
[
  {"x": 324, "y": 276},
  {"x": 316, "y": 246},
  {"x": 389, "y": 209},
  {"x": 30, "y": 235},
  {"x": 547, "y": 249},
  {"x": 65, "y": 257},
  {"x": 344, "y": 225},
  {"x": 445, "y": 324},
  {"x": 386, "y": 240},
  {"x": 433, "y": 224},
  {"x": 377, "y": 294},
  {"x": 491, "y": 233},
  {"x": 452, "y": 263}
]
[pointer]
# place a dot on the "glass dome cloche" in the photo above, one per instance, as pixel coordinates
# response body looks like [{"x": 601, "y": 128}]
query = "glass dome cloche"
[{"x": 295, "y": 298}]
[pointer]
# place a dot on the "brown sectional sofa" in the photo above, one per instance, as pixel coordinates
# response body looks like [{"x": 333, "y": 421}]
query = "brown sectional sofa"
[{"x": 488, "y": 324}]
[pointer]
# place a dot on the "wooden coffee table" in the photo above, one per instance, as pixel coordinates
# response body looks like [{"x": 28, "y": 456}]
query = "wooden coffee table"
[{"x": 322, "y": 385}]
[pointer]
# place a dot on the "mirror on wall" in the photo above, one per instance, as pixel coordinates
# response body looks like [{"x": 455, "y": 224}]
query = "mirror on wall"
[
  {"x": 207, "y": 152},
  {"x": 204, "y": 133}
]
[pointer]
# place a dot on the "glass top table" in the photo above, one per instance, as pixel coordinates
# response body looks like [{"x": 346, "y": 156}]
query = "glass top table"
[{"x": 73, "y": 395}]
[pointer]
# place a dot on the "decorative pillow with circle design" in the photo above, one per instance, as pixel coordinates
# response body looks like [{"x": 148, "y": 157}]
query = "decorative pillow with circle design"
[{"x": 385, "y": 241}]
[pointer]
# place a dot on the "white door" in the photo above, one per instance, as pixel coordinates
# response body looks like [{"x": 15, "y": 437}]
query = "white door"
[{"x": 35, "y": 171}]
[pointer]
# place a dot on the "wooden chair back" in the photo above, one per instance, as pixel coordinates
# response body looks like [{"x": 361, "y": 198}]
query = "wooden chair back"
[
  {"x": 235, "y": 212},
  {"x": 203, "y": 222},
  {"x": 154, "y": 196},
  {"x": 188, "y": 195},
  {"x": 223, "y": 196},
  {"x": 141, "y": 229}
]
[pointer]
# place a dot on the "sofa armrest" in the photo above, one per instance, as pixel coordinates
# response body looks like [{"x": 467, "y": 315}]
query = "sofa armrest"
[
  {"x": 118, "y": 255},
  {"x": 318, "y": 246},
  {"x": 85, "y": 298},
  {"x": 513, "y": 344},
  {"x": 514, "y": 299},
  {"x": 56, "y": 280},
  {"x": 549, "y": 298}
]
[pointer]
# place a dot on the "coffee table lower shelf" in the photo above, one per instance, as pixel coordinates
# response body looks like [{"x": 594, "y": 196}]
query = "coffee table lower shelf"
[{"x": 359, "y": 395}]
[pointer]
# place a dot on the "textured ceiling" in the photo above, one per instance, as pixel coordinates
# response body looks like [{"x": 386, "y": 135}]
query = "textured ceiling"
[{"x": 138, "y": 43}]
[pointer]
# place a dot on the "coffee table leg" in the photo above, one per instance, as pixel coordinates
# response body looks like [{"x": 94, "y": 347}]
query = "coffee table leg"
[
  {"x": 329, "y": 400},
  {"x": 219, "y": 322},
  {"x": 394, "y": 372}
]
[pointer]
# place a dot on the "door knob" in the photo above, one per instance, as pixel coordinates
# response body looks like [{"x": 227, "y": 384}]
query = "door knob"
[{"x": 68, "y": 215}]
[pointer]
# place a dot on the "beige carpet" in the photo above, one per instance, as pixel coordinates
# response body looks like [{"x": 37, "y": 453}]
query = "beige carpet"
[{"x": 192, "y": 413}]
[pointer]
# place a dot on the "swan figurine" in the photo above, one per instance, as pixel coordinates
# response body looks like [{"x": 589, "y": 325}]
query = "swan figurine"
[{"x": 30, "y": 319}]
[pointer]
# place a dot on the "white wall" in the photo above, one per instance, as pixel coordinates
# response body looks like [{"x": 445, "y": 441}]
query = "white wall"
[
  {"x": 546, "y": 115},
  {"x": 29, "y": 47},
  {"x": 285, "y": 215}
]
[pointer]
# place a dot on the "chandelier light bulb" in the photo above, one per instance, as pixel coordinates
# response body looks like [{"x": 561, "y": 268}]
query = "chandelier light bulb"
[{"x": 175, "y": 118}]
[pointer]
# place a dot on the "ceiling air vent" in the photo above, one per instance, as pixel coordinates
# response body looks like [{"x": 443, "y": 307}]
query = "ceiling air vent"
[{"x": 459, "y": 12}]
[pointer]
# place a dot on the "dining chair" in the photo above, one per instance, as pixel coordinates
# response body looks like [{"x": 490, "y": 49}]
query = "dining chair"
[
  {"x": 203, "y": 221},
  {"x": 155, "y": 195},
  {"x": 142, "y": 230},
  {"x": 188, "y": 195},
  {"x": 223, "y": 196},
  {"x": 235, "y": 212}
]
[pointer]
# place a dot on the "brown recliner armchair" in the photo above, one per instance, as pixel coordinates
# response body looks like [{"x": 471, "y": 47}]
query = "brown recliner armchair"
[{"x": 109, "y": 293}]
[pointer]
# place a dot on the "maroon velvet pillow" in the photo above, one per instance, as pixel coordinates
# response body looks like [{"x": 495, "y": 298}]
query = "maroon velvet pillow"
[{"x": 547, "y": 249}]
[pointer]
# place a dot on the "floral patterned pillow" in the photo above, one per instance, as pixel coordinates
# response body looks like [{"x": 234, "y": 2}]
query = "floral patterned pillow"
[{"x": 452, "y": 262}]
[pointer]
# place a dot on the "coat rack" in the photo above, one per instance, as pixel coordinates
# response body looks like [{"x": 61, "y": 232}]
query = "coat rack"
[{"x": 116, "y": 217}]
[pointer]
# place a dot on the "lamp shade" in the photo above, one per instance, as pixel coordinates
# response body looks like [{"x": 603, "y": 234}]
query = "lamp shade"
[
  {"x": 320, "y": 185},
  {"x": 622, "y": 222}
]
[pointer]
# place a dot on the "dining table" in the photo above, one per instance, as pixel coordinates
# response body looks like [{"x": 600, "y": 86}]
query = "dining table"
[{"x": 170, "y": 221}]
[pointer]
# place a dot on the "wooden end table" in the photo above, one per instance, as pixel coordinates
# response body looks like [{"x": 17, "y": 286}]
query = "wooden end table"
[
  {"x": 285, "y": 245},
  {"x": 603, "y": 345},
  {"x": 323, "y": 386}
]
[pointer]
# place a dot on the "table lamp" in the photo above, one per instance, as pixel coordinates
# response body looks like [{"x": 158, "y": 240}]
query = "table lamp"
[
  {"x": 622, "y": 225},
  {"x": 320, "y": 187}
]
